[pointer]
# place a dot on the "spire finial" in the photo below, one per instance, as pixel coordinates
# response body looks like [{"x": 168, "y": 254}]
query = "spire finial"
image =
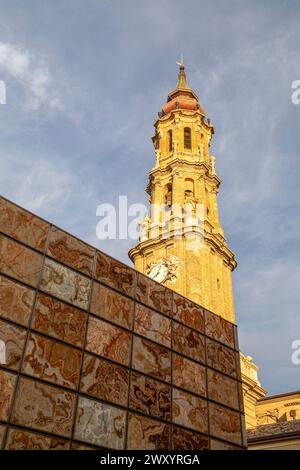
[
  {"x": 181, "y": 77},
  {"x": 180, "y": 62}
]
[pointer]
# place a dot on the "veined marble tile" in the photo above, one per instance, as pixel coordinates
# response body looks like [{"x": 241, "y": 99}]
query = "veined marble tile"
[
  {"x": 7, "y": 385},
  {"x": 108, "y": 304},
  {"x": 182, "y": 439},
  {"x": 188, "y": 312},
  {"x": 221, "y": 445},
  {"x": 190, "y": 411},
  {"x": 52, "y": 361},
  {"x": 154, "y": 295},
  {"x": 219, "y": 329},
  {"x": 150, "y": 396},
  {"x": 19, "y": 439},
  {"x": 60, "y": 320},
  {"x": 22, "y": 226},
  {"x": 152, "y": 325},
  {"x": 220, "y": 357},
  {"x": 16, "y": 301},
  {"x": 71, "y": 251},
  {"x": 19, "y": 262},
  {"x": 189, "y": 375},
  {"x": 222, "y": 389},
  {"x": 151, "y": 359},
  {"x": 79, "y": 446},
  {"x": 108, "y": 341},
  {"x": 44, "y": 407},
  {"x": 188, "y": 342},
  {"x": 14, "y": 339},
  {"x": 225, "y": 423},
  {"x": 100, "y": 424},
  {"x": 104, "y": 380},
  {"x": 65, "y": 284},
  {"x": 147, "y": 434},
  {"x": 115, "y": 274}
]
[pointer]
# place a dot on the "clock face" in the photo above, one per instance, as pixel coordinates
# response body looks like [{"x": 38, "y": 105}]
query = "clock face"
[{"x": 158, "y": 272}]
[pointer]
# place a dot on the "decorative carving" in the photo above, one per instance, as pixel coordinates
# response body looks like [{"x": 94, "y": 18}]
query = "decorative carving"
[
  {"x": 164, "y": 270},
  {"x": 268, "y": 417},
  {"x": 190, "y": 201},
  {"x": 201, "y": 152},
  {"x": 158, "y": 153},
  {"x": 144, "y": 228}
]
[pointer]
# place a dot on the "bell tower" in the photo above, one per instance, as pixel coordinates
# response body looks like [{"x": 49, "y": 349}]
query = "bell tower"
[{"x": 182, "y": 243}]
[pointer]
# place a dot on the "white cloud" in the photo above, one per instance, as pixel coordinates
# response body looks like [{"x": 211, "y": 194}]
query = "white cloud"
[{"x": 32, "y": 75}]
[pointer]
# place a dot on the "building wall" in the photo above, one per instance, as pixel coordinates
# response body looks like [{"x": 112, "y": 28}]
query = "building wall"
[
  {"x": 285, "y": 407},
  {"x": 94, "y": 354}
]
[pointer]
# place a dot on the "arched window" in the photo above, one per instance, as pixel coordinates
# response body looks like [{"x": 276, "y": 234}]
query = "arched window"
[
  {"x": 187, "y": 138},
  {"x": 170, "y": 140}
]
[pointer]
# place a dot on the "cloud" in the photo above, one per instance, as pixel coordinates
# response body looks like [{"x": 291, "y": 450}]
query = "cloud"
[{"x": 31, "y": 74}]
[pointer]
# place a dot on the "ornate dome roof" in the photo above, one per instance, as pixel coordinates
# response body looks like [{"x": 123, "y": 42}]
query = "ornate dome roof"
[{"x": 182, "y": 97}]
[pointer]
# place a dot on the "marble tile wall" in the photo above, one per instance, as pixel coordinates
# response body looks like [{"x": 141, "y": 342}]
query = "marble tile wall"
[{"x": 95, "y": 355}]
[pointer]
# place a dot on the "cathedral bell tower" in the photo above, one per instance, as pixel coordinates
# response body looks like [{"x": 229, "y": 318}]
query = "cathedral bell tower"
[{"x": 182, "y": 243}]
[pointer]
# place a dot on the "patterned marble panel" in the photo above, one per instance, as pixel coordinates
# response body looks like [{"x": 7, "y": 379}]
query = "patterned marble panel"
[
  {"x": 151, "y": 359},
  {"x": 222, "y": 389},
  {"x": 150, "y": 396},
  {"x": 2, "y": 432},
  {"x": 182, "y": 439},
  {"x": 23, "y": 226},
  {"x": 152, "y": 325},
  {"x": 79, "y": 446},
  {"x": 153, "y": 294},
  {"x": 16, "y": 301},
  {"x": 52, "y": 361},
  {"x": 43, "y": 407},
  {"x": 190, "y": 411},
  {"x": 189, "y": 375},
  {"x": 23, "y": 440},
  {"x": 108, "y": 341},
  {"x": 66, "y": 284},
  {"x": 59, "y": 320},
  {"x": 104, "y": 380},
  {"x": 221, "y": 445},
  {"x": 187, "y": 312},
  {"x": 115, "y": 274},
  {"x": 225, "y": 423},
  {"x": 147, "y": 434},
  {"x": 219, "y": 329},
  {"x": 14, "y": 339},
  {"x": 100, "y": 424},
  {"x": 221, "y": 358},
  {"x": 188, "y": 342},
  {"x": 19, "y": 262},
  {"x": 71, "y": 251},
  {"x": 107, "y": 303},
  {"x": 7, "y": 384}
]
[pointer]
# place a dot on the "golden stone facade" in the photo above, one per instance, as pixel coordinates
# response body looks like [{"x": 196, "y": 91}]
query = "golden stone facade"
[{"x": 188, "y": 253}]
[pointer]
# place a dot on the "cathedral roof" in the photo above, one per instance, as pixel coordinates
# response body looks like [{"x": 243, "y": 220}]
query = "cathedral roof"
[{"x": 182, "y": 97}]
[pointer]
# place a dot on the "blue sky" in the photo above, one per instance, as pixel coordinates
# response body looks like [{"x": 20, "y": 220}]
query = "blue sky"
[{"x": 85, "y": 80}]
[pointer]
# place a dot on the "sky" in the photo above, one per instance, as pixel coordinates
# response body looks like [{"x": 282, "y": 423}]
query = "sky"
[{"x": 84, "y": 82}]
